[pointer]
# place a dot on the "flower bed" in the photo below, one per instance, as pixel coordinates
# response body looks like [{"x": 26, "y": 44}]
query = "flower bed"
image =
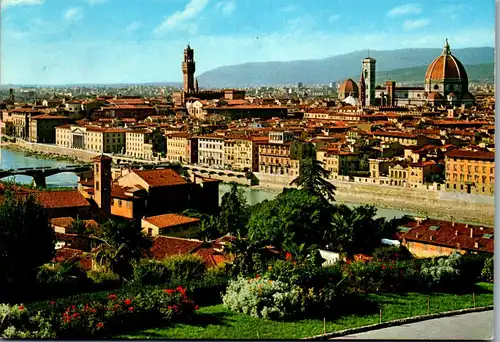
[{"x": 98, "y": 318}]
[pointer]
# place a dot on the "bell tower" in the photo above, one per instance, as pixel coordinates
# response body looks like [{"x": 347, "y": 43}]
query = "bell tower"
[
  {"x": 362, "y": 90},
  {"x": 368, "y": 70},
  {"x": 102, "y": 183},
  {"x": 188, "y": 69}
]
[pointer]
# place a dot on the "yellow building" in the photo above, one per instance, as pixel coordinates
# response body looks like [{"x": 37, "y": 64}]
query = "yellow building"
[
  {"x": 398, "y": 174},
  {"x": 137, "y": 144},
  {"x": 420, "y": 173},
  {"x": 470, "y": 170},
  {"x": 246, "y": 153},
  {"x": 178, "y": 147},
  {"x": 105, "y": 140},
  {"x": 229, "y": 147},
  {"x": 340, "y": 163}
]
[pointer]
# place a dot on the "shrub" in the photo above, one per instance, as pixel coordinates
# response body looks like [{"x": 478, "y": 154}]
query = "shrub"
[
  {"x": 104, "y": 280},
  {"x": 185, "y": 266},
  {"x": 60, "y": 279},
  {"x": 98, "y": 318},
  {"x": 388, "y": 253},
  {"x": 441, "y": 273},
  {"x": 470, "y": 267},
  {"x": 263, "y": 298},
  {"x": 150, "y": 272},
  {"x": 487, "y": 272}
]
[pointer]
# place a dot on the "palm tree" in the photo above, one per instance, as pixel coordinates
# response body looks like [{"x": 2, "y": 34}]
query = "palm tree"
[
  {"x": 122, "y": 243},
  {"x": 245, "y": 252},
  {"x": 313, "y": 177},
  {"x": 79, "y": 227}
]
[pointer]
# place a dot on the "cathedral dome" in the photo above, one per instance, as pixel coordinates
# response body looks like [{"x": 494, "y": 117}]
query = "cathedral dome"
[
  {"x": 349, "y": 86},
  {"x": 446, "y": 66}
]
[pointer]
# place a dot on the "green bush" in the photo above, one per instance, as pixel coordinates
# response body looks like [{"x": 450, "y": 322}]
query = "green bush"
[
  {"x": 262, "y": 298},
  {"x": 178, "y": 268},
  {"x": 61, "y": 279},
  {"x": 104, "y": 280},
  {"x": 441, "y": 274},
  {"x": 487, "y": 272},
  {"x": 388, "y": 253},
  {"x": 103, "y": 317},
  {"x": 470, "y": 268},
  {"x": 185, "y": 266}
]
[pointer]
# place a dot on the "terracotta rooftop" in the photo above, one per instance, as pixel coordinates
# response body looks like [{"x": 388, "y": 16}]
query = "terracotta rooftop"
[
  {"x": 165, "y": 246},
  {"x": 170, "y": 220},
  {"x": 62, "y": 199},
  {"x": 161, "y": 177},
  {"x": 469, "y": 154},
  {"x": 449, "y": 234}
]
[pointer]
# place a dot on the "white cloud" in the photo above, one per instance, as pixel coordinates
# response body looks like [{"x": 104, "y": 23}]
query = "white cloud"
[
  {"x": 415, "y": 24},
  {"x": 226, "y": 7},
  {"x": 289, "y": 8},
  {"x": 176, "y": 20},
  {"x": 133, "y": 27},
  {"x": 7, "y": 3},
  {"x": 405, "y": 10},
  {"x": 333, "y": 18},
  {"x": 73, "y": 14}
]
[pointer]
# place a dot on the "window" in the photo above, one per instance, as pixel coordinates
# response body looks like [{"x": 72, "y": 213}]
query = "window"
[
  {"x": 120, "y": 203},
  {"x": 97, "y": 186},
  {"x": 150, "y": 231}
]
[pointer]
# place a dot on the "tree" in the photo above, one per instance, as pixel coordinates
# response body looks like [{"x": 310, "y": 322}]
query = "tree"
[
  {"x": 313, "y": 178},
  {"x": 234, "y": 212},
  {"x": 122, "y": 243},
  {"x": 159, "y": 141},
  {"x": 294, "y": 215},
  {"x": 357, "y": 230},
  {"x": 247, "y": 254},
  {"x": 80, "y": 227},
  {"x": 26, "y": 241}
]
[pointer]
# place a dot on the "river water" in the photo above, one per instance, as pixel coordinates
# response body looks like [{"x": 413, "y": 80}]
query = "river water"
[{"x": 14, "y": 159}]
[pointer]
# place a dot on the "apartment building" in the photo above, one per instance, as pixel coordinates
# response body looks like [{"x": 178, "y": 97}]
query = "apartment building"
[
  {"x": 470, "y": 170},
  {"x": 246, "y": 153},
  {"x": 178, "y": 147},
  {"x": 341, "y": 163},
  {"x": 275, "y": 155},
  {"x": 91, "y": 138},
  {"x": 138, "y": 144},
  {"x": 211, "y": 150},
  {"x": 42, "y": 128},
  {"x": 229, "y": 153}
]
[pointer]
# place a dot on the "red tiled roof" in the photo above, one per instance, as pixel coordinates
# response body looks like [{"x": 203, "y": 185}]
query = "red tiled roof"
[
  {"x": 395, "y": 134},
  {"x": 161, "y": 177},
  {"x": 455, "y": 235},
  {"x": 170, "y": 220},
  {"x": 62, "y": 199},
  {"x": 164, "y": 246},
  {"x": 64, "y": 254},
  {"x": 212, "y": 257},
  {"x": 475, "y": 155},
  {"x": 66, "y": 222}
]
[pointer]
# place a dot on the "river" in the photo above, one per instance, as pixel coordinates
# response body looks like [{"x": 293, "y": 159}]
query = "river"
[{"x": 14, "y": 159}]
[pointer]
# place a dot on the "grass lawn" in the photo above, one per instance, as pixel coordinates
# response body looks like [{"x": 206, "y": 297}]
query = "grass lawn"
[{"x": 217, "y": 322}]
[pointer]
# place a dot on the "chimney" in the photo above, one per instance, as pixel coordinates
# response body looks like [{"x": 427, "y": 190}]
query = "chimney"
[
  {"x": 471, "y": 233},
  {"x": 456, "y": 232},
  {"x": 466, "y": 225},
  {"x": 417, "y": 235},
  {"x": 431, "y": 238},
  {"x": 453, "y": 223},
  {"x": 481, "y": 228},
  {"x": 476, "y": 245}
]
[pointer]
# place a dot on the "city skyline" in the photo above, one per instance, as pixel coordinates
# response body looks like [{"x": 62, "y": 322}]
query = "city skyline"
[{"x": 97, "y": 41}]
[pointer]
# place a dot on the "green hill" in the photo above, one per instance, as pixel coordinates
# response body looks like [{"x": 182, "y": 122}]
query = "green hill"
[{"x": 477, "y": 73}]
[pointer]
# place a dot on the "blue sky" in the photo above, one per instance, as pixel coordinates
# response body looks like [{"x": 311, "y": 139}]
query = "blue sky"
[{"x": 105, "y": 41}]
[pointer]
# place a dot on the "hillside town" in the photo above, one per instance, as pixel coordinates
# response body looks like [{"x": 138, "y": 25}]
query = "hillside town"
[{"x": 438, "y": 138}]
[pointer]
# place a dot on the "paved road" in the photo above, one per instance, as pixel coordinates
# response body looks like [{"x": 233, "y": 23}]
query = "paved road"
[{"x": 471, "y": 326}]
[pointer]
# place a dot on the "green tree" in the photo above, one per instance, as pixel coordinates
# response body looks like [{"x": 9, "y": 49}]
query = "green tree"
[
  {"x": 80, "y": 227},
  {"x": 247, "y": 255},
  {"x": 26, "y": 242},
  {"x": 357, "y": 230},
  {"x": 293, "y": 216},
  {"x": 121, "y": 244},
  {"x": 159, "y": 141},
  {"x": 314, "y": 178},
  {"x": 234, "y": 212}
]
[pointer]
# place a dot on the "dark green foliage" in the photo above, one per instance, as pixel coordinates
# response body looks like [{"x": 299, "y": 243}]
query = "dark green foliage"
[
  {"x": 314, "y": 179},
  {"x": 185, "y": 267},
  {"x": 388, "y": 253},
  {"x": 358, "y": 230},
  {"x": 102, "y": 281},
  {"x": 234, "y": 212},
  {"x": 301, "y": 150},
  {"x": 159, "y": 141},
  {"x": 248, "y": 253},
  {"x": 209, "y": 225},
  {"x": 122, "y": 243},
  {"x": 470, "y": 268},
  {"x": 294, "y": 215},
  {"x": 62, "y": 279},
  {"x": 487, "y": 272},
  {"x": 26, "y": 242}
]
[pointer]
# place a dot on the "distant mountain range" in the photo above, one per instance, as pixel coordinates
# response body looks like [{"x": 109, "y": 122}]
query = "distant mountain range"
[{"x": 405, "y": 65}]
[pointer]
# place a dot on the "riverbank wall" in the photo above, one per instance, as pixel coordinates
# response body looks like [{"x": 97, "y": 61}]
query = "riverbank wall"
[{"x": 432, "y": 202}]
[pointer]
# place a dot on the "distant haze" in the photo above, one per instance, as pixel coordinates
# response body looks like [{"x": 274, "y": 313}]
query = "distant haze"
[{"x": 336, "y": 68}]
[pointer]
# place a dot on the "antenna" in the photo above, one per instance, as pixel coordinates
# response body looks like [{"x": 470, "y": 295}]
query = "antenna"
[{"x": 368, "y": 52}]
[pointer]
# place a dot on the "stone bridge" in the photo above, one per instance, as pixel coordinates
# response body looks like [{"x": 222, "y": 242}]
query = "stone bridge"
[{"x": 39, "y": 174}]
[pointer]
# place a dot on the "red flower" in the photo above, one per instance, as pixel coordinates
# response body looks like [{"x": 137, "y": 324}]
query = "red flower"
[
  {"x": 131, "y": 308},
  {"x": 383, "y": 267},
  {"x": 73, "y": 307},
  {"x": 112, "y": 296},
  {"x": 169, "y": 307},
  {"x": 21, "y": 307},
  {"x": 169, "y": 291},
  {"x": 181, "y": 290},
  {"x": 196, "y": 307},
  {"x": 257, "y": 276},
  {"x": 52, "y": 303},
  {"x": 100, "y": 325},
  {"x": 117, "y": 305},
  {"x": 288, "y": 256},
  {"x": 127, "y": 301}
]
